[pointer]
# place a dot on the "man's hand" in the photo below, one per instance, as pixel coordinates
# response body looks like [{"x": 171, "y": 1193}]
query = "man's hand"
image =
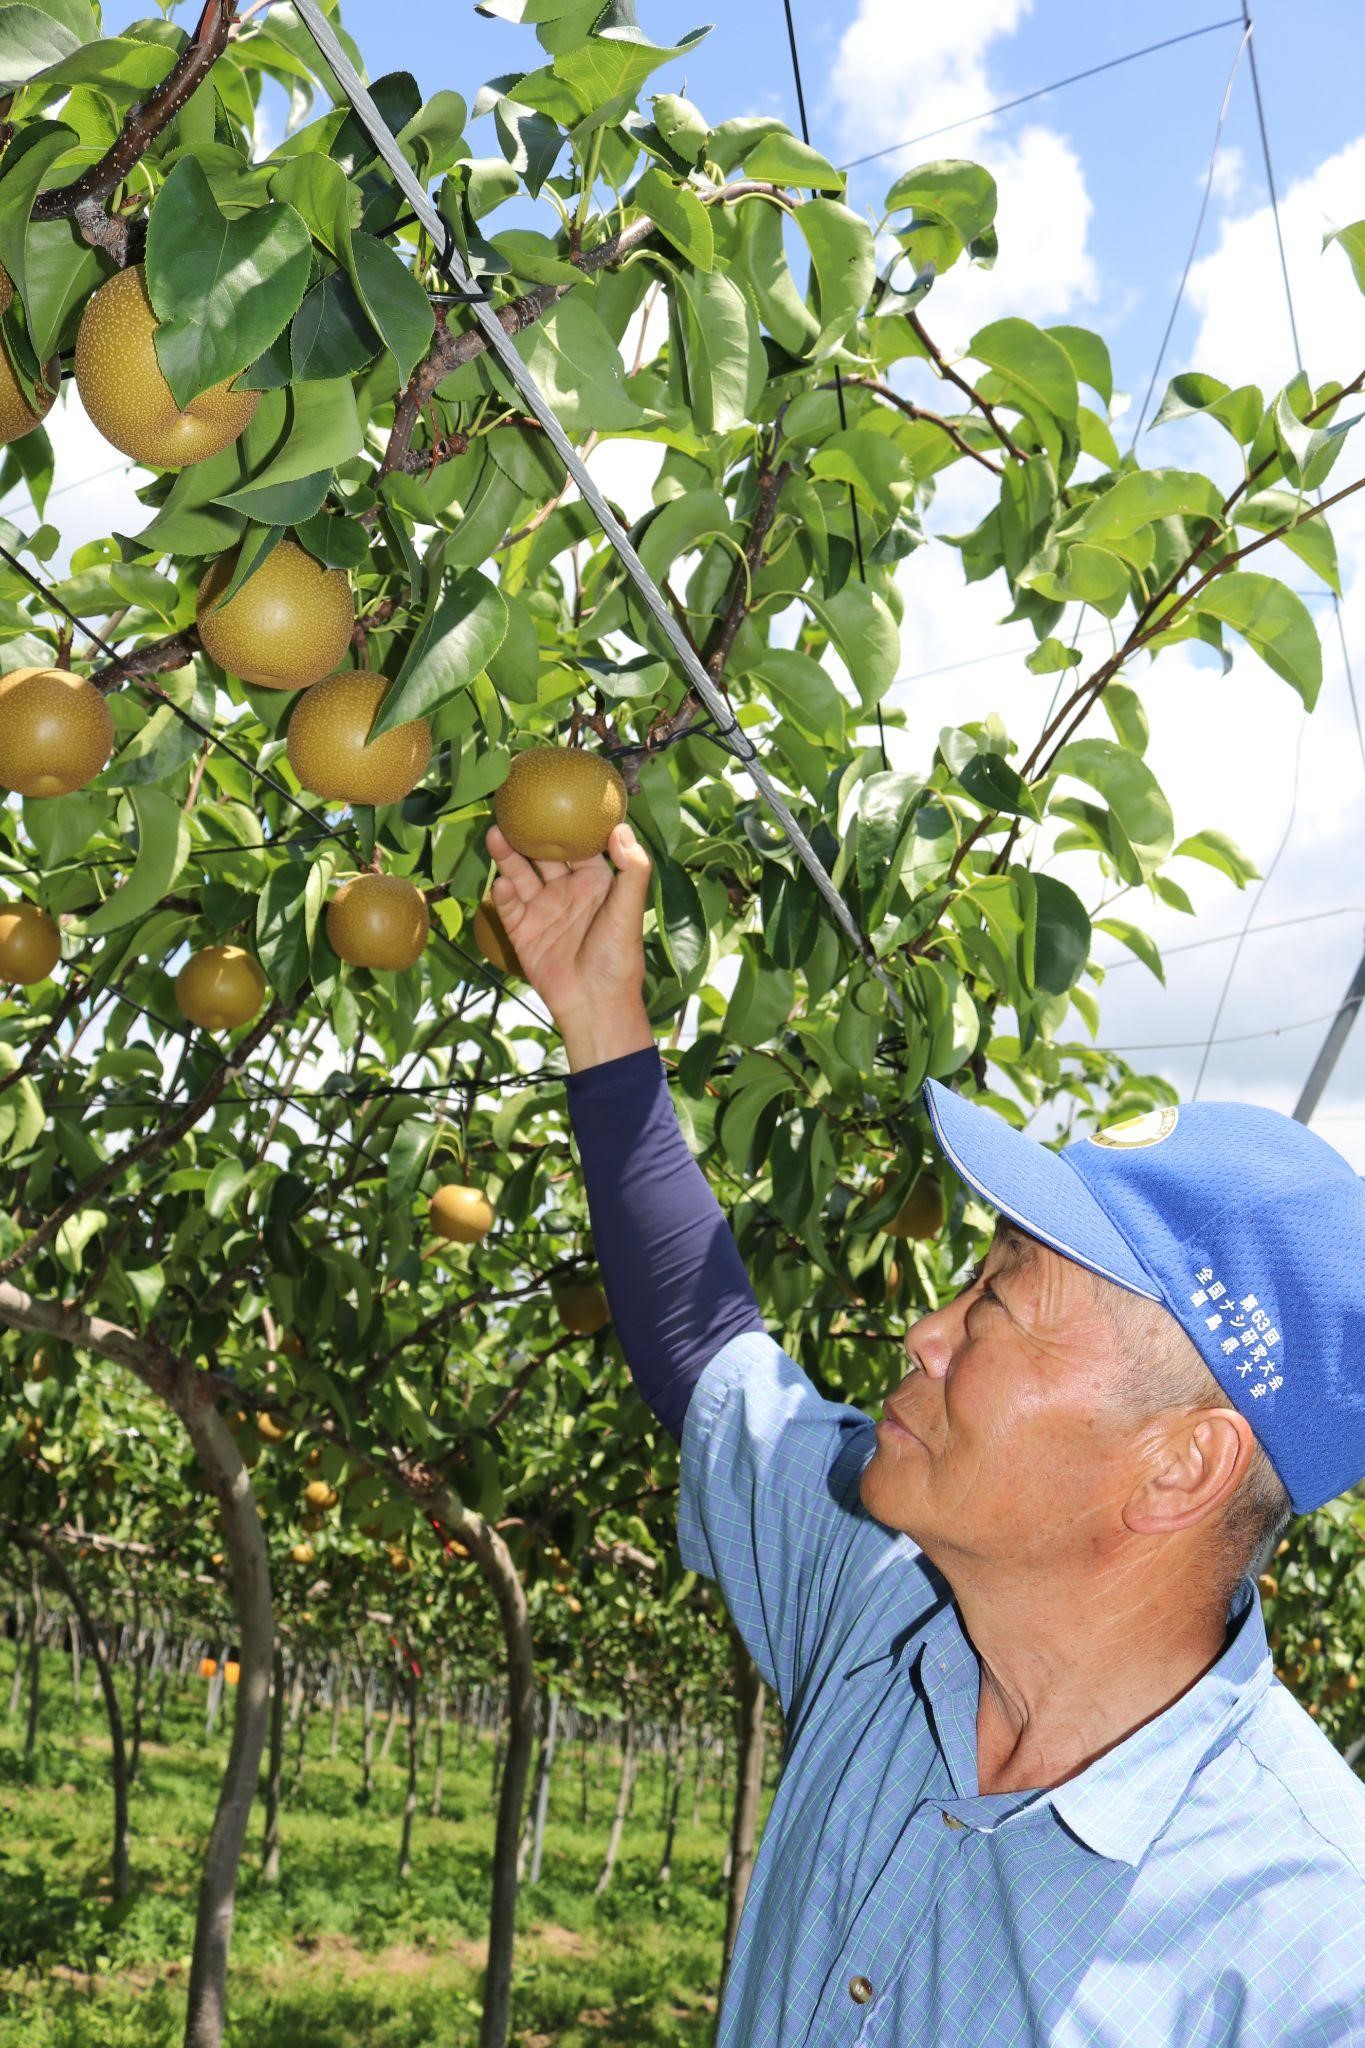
[{"x": 578, "y": 931}]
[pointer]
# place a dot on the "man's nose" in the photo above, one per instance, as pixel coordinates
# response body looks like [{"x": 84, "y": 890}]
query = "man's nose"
[{"x": 929, "y": 1342}]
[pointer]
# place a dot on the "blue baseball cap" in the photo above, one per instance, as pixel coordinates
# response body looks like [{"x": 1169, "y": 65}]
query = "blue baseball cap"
[{"x": 1241, "y": 1222}]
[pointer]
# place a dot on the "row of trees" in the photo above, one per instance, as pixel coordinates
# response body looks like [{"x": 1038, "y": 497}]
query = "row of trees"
[{"x": 215, "y": 1272}]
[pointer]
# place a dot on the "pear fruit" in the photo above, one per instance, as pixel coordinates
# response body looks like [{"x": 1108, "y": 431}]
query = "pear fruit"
[
  {"x": 560, "y": 803},
  {"x": 30, "y": 944},
  {"x": 329, "y": 752},
  {"x": 125, "y": 394},
  {"x": 302, "y": 1553},
  {"x": 319, "y": 1494},
  {"x": 921, "y": 1213},
  {"x": 287, "y": 627},
  {"x": 268, "y": 1430},
  {"x": 55, "y": 731},
  {"x": 490, "y": 936},
  {"x": 464, "y": 1215},
  {"x": 378, "y": 921},
  {"x": 17, "y": 416},
  {"x": 220, "y": 987},
  {"x": 582, "y": 1310}
]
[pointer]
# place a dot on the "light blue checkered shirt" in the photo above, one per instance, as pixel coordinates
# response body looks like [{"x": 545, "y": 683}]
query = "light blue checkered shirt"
[{"x": 1201, "y": 1885}]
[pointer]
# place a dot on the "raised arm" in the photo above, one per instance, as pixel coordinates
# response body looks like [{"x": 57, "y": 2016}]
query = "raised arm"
[{"x": 671, "y": 1268}]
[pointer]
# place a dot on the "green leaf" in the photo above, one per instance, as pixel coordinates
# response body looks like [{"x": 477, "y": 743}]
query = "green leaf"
[
  {"x": 804, "y": 692},
  {"x": 25, "y": 165},
  {"x": 225, "y": 1183},
  {"x": 1051, "y": 655},
  {"x": 762, "y": 999},
  {"x": 282, "y": 936},
  {"x": 221, "y": 289},
  {"x": 681, "y": 525},
  {"x": 398, "y": 308},
  {"x": 1037, "y": 368},
  {"x": 1273, "y": 621},
  {"x": 1089, "y": 357},
  {"x": 758, "y": 1080},
  {"x": 1140, "y": 497},
  {"x": 1193, "y": 393},
  {"x": 1124, "y": 710},
  {"x": 577, "y": 366},
  {"x": 859, "y": 621},
  {"x": 682, "y": 126},
  {"x": 779, "y": 159},
  {"x": 319, "y": 191},
  {"x": 960, "y": 194},
  {"x": 409, "y": 1148},
  {"x": 607, "y": 66},
  {"x": 1061, "y": 944},
  {"x": 530, "y": 141},
  {"x": 121, "y": 66},
  {"x": 1310, "y": 539},
  {"x": 163, "y": 844},
  {"x": 1352, "y": 240},
  {"x": 1134, "y": 797},
  {"x": 682, "y": 922},
  {"x": 1216, "y": 850},
  {"x": 780, "y": 305},
  {"x": 991, "y": 782},
  {"x": 1307, "y": 453},
  {"x": 680, "y": 215},
  {"x": 1138, "y": 942},
  {"x": 61, "y": 270},
  {"x": 726, "y": 363},
  {"x": 330, "y": 335},
  {"x": 456, "y": 640},
  {"x": 31, "y": 38},
  {"x": 323, "y": 430},
  {"x": 884, "y": 802},
  {"x": 843, "y": 264},
  {"x": 535, "y": 257},
  {"x": 872, "y": 463}
]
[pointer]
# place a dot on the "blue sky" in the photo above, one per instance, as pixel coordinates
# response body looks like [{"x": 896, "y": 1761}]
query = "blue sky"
[{"x": 1100, "y": 187}]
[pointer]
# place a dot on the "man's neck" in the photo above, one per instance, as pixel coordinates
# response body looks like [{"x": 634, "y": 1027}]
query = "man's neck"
[{"x": 1067, "y": 1671}]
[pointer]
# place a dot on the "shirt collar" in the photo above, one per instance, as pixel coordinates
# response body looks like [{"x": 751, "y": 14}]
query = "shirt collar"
[{"x": 1119, "y": 1804}]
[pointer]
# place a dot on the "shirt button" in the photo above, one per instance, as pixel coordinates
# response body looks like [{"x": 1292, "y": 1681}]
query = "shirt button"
[
  {"x": 860, "y": 1990},
  {"x": 950, "y": 1820}
]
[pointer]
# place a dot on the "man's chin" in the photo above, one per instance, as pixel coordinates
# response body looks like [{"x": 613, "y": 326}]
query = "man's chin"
[{"x": 886, "y": 1496}]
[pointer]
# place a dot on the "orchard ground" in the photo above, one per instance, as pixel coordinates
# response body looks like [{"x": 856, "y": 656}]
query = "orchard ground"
[{"x": 338, "y": 1953}]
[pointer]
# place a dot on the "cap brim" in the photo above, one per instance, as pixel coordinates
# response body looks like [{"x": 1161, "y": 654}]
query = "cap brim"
[{"x": 1033, "y": 1187}]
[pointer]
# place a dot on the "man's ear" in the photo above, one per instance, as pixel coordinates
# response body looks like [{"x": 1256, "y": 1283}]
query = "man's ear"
[{"x": 1195, "y": 1460}]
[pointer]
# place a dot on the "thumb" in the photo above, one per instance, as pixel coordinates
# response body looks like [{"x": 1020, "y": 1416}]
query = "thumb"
[{"x": 630, "y": 888}]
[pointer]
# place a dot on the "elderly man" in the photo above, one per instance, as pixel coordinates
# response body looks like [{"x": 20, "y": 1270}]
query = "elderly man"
[{"x": 1040, "y": 1784}]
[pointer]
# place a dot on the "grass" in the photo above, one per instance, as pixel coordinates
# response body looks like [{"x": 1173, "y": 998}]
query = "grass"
[{"x": 338, "y": 1955}]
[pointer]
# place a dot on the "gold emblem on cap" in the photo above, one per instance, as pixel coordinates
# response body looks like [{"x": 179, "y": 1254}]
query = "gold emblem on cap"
[{"x": 1136, "y": 1131}]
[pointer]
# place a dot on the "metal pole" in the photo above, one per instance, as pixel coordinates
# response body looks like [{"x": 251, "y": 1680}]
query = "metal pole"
[
  {"x": 1337, "y": 1035},
  {"x": 501, "y": 345}
]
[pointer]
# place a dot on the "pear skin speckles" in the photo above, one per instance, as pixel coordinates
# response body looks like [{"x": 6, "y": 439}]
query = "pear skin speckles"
[
  {"x": 125, "y": 394},
  {"x": 55, "y": 731},
  {"x": 560, "y": 803},
  {"x": 378, "y": 921},
  {"x": 287, "y": 627},
  {"x": 328, "y": 750}
]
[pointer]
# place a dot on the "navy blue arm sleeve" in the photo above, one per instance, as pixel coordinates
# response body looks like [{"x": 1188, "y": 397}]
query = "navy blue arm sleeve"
[{"x": 670, "y": 1265}]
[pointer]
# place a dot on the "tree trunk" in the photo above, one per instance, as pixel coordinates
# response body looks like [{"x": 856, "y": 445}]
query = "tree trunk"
[
  {"x": 410, "y": 1803},
  {"x": 139, "y": 1672},
  {"x": 35, "y": 1667},
  {"x": 301, "y": 1745},
  {"x": 583, "y": 1753},
  {"x": 671, "y": 1828},
  {"x": 73, "y": 1629},
  {"x": 16, "y": 1690},
  {"x": 395, "y": 1703},
  {"x": 367, "y": 1741},
  {"x": 750, "y": 1693},
  {"x": 118, "y": 1755},
  {"x": 163, "y": 1685},
  {"x": 338, "y": 1707},
  {"x": 698, "y": 1777},
  {"x": 618, "y": 1819},
  {"x": 270, "y": 1841},
  {"x": 438, "y": 1777},
  {"x": 217, "y": 1687},
  {"x": 542, "y": 1795}
]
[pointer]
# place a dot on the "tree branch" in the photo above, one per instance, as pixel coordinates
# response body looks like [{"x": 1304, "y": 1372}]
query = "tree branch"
[
  {"x": 149, "y": 1147},
  {"x": 918, "y": 412},
  {"x": 145, "y": 120},
  {"x": 945, "y": 369},
  {"x": 75, "y": 989}
]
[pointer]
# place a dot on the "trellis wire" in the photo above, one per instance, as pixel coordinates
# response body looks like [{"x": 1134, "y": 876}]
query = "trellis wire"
[{"x": 500, "y": 344}]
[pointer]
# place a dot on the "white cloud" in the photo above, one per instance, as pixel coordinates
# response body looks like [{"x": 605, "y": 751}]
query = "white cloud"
[{"x": 900, "y": 71}]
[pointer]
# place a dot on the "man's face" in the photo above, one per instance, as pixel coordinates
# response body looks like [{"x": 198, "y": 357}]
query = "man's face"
[{"x": 1011, "y": 1438}]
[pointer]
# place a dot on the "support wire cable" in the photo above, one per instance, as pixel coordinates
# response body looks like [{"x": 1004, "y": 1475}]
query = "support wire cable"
[
  {"x": 501, "y": 345},
  {"x": 1042, "y": 91}
]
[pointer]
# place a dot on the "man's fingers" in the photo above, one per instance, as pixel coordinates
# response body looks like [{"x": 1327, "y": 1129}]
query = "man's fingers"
[
  {"x": 513, "y": 868},
  {"x": 633, "y": 870}
]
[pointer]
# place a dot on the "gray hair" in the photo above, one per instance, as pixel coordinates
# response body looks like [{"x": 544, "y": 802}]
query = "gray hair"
[{"x": 1173, "y": 1375}]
